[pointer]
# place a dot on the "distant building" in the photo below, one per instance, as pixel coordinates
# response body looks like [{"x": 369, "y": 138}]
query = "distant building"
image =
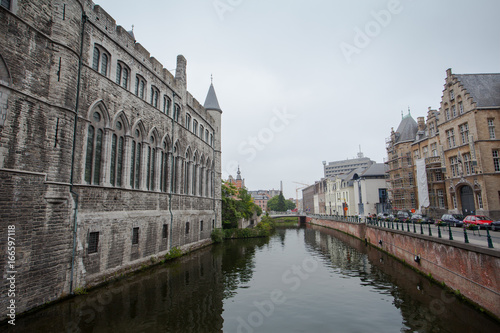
[
  {"x": 238, "y": 182},
  {"x": 333, "y": 169},
  {"x": 261, "y": 197}
]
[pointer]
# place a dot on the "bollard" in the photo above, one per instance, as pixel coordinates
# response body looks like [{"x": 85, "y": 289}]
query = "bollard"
[
  {"x": 449, "y": 229},
  {"x": 392, "y": 225},
  {"x": 421, "y": 229},
  {"x": 397, "y": 225},
  {"x": 430, "y": 232},
  {"x": 439, "y": 232},
  {"x": 466, "y": 238},
  {"x": 408, "y": 226},
  {"x": 490, "y": 243}
]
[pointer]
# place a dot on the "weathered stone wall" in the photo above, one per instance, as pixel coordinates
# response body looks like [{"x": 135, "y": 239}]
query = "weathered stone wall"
[
  {"x": 44, "y": 88},
  {"x": 471, "y": 270}
]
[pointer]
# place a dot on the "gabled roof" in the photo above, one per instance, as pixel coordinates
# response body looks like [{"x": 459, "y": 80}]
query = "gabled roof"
[
  {"x": 211, "y": 102},
  {"x": 407, "y": 129},
  {"x": 484, "y": 88},
  {"x": 376, "y": 169}
]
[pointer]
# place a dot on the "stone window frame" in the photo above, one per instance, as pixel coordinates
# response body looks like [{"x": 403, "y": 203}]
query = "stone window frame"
[
  {"x": 464, "y": 132},
  {"x": 454, "y": 110},
  {"x": 135, "y": 161},
  {"x": 135, "y": 235},
  {"x": 450, "y": 137},
  {"x": 195, "y": 127},
  {"x": 154, "y": 100},
  {"x": 468, "y": 164},
  {"x": 117, "y": 154},
  {"x": 140, "y": 86},
  {"x": 95, "y": 143},
  {"x": 164, "y": 233},
  {"x": 491, "y": 128},
  {"x": 93, "y": 242},
  {"x": 101, "y": 58},
  {"x": 454, "y": 166},
  {"x": 496, "y": 160},
  {"x": 187, "y": 228},
  {"x": 188, "y": 121},
  {"x": 176, "y": 112},
  {"x": 122, "y": 74},
  {"x": 167, "y": 102}
]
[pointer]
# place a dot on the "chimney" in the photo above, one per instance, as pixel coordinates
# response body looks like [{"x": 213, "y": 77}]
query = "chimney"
[
  {"x": 180, "y": 71},
  {"x": 421, "y": 123}
]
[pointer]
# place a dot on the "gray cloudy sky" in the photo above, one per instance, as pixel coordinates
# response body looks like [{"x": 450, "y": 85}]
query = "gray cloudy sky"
[{"x": 300, "y": 81}]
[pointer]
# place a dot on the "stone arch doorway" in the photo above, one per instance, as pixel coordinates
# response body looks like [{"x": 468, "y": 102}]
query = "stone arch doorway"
[{"x": 467, "y": 199}]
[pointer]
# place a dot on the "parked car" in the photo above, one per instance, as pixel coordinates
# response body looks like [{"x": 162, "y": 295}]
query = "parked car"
[
  {"x": 495, "y": 225},
  {"x": 402, "y": 215},
  {"x": 419, "y": 218},
  {"x": 455, "y": 220},
  {"x": 479, "y": 220}
]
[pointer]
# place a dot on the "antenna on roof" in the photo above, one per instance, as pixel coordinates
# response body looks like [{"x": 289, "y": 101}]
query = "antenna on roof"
[
  {"x": 211, "y": 78},
  {"x": 409, "y": 111},
  {"x": 132, "y": 27}
]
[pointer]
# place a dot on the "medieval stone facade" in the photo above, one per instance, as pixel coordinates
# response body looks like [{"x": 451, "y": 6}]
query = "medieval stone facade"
[{"x": 106, "y": 160}]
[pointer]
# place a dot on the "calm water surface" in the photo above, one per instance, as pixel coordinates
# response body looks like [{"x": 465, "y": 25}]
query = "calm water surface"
[{"x": 300, "y": 280}]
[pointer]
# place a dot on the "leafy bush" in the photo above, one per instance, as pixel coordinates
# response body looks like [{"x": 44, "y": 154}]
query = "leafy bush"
[
  {"x": 175, "y": 252},
  {"x": 217, "y": 235}
]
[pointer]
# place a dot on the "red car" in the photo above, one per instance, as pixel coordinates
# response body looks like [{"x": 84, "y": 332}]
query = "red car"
[{"x": 479, "y": 220}]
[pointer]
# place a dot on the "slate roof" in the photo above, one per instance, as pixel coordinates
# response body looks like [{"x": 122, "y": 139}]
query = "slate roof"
[
  {"x": 211, "y": 102},
  {"x": 376, "y": 169},
  {"x": 407, "y": 129},
  {"x": 484, "y": 88}
]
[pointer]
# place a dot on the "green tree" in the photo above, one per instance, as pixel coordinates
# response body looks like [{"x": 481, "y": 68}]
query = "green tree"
[
  {"x": 236, "y": 204},
  {"x": 279, "y": 204}
]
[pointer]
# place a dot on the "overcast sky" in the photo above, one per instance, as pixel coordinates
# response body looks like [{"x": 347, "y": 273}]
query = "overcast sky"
[{"x": 301, "y": 82}]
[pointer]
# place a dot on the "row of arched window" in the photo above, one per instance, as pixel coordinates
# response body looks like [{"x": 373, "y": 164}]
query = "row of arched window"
[
  {"x": 118, "y": 157},
  {"x": 101, "y": 64}
]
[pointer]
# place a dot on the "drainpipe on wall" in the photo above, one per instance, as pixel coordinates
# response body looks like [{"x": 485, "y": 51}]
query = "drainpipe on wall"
[{"x": 75, "y": 195}]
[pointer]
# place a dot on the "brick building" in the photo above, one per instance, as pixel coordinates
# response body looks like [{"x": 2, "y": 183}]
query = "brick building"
[
  {"x": 460, "y": 147},
  {"x": 106, "y": 160}
]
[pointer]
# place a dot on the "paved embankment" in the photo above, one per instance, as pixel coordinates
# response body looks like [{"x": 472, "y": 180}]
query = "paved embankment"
[{"x": 473, "y": 270}]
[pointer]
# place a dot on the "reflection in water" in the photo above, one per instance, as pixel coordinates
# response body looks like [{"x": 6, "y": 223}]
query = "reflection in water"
[
  {"x": 425, "y": 306},
  {"x": 354, "y": 288}
]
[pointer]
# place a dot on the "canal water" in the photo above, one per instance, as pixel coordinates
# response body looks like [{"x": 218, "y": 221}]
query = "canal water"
[{"x": 302, "y": 279}]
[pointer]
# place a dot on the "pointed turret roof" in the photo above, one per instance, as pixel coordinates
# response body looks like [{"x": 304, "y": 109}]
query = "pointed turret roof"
[
  {"x": 211, "y": 102},
  {"x": 407, "y": 129}
]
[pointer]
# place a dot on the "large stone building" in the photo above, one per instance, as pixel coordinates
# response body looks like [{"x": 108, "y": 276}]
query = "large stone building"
[
  {"x": 459, "y": 146},
  {"x": 106, "y": 160}
]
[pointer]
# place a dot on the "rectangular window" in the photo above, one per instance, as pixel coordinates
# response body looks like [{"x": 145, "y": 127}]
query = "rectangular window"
[
  {"x": 454, "y": 111},
  {"x": 201, "y": 225},
  {"x": 432, "y": 129},
  {"x": 187, "y": 228},
  {"x": 434, "y": 149},
  {"x": 195, "y": 127},
  {"x": 135, "y": 235},
  {"x": 468, "y": 165},
  {"x": 439, "y": 176},
  {"x": 164, "y": 233},
  {"x": 480, "y": 200},
  {"x": 447, "y": 113},
  {"x": 464, "y": 133},
  {"x": 496, "y": 161},
  {"x": 461, "y": 107},
  {"x": 452, "y": 95},
  {"x": 454, "y": 166},
  {"x": 450, "y": 138},
  {"x": 440, "y": 198},
  {"x": 93, "y": 242},
  {"x": 425, "y": 151},
  {"x": 491, "y": 128}
]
